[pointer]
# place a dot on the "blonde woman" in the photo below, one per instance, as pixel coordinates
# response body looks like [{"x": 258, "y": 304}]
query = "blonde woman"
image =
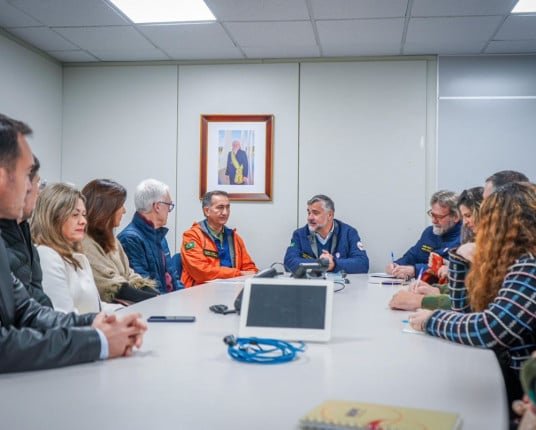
[{"x": 58, "y": 228}]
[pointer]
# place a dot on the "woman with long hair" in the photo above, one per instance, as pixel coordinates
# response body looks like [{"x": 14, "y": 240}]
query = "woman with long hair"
[
  {"x": 495, "y": 295},
  {"x": 58, "y": 226},
  {"x": 116, "y": 281},
  {"x": 469, "y": 204}
]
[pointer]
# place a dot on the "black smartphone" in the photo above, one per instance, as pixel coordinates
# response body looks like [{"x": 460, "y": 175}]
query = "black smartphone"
[{"x": 171, "y": 318}]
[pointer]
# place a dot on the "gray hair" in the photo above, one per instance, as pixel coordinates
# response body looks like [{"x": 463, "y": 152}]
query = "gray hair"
[
  {"x": 148, "y": 192},
  {"x": 206, "y": 201},
  {"x": 447, "y": 199},
  {"x": 326, "y": 202}
]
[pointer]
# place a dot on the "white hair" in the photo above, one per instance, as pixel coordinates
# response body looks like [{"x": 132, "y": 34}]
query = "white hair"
[{"x": 149, "y": 191}]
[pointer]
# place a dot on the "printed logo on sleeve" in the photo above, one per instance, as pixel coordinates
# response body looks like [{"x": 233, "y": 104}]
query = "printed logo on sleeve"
[
  {"x": 360, "y": 246},
  {"x": 189, "y": 245}
]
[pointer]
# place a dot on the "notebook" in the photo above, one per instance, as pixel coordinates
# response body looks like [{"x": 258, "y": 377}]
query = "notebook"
[
  {"x": 287, "y": 309},
  {"x": 342, "y": 415}
]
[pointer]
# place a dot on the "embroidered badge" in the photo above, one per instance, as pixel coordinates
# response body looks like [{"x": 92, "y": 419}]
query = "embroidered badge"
[
  {"x": 360, "y": 246},
  {"x": 189, "y": 245},
  {"x": 338, "y": 255},
  {"x": 210, "y": 253},
  {"x": 427, "y": 248}
]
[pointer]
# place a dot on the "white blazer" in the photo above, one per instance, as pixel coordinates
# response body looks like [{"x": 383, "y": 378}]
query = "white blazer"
[{"x": 70, "y": 289}]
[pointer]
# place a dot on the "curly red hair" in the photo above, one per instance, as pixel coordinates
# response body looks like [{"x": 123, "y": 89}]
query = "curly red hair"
[{"x": 506, "y": 231}]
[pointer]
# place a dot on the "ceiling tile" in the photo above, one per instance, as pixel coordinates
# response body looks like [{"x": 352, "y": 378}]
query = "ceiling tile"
[
  {"x": 517, "y": 27},
  {"x": 143, "y": 54},
  {"x": 449, "y": 35},
  {"x": 12, "y": 17},
  {"x": 258, "y": 10},
  {"x": 70, "y": 13},
  {"x": 259, "y": 34},
  {"x": 461, "y": 7},
  {"x": 351, "y": 9},
  {"x": 282, "y": 52},
  {"x": 192, "y": 41},
  {"x": 365, "y": 49},
  {"x": 383, "y": 33},
  {"x": 511, "y": 46},
  {"x": 207, "y": 53},
  {"x": 42, "y": 38},
  {"x": 106, "y": 38},
  {"x": 72, "y": 56}
]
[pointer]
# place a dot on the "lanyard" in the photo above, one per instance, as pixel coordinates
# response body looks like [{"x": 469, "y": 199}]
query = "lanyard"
[{"x": 314, "y": 244}]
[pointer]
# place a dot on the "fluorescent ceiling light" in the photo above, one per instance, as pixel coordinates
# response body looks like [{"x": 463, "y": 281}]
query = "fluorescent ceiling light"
[
  {"x": 151, "y": 11},
  {"x": 525, "y": 6}
]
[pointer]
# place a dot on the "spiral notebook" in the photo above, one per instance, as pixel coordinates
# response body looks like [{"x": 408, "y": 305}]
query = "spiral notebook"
[{"x": 343, "y": 415}]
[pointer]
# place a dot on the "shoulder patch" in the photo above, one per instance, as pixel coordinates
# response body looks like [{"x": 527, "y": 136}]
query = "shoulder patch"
[
  {"x": 189, "y": 245},
  {"x": 360, "y": 246}
]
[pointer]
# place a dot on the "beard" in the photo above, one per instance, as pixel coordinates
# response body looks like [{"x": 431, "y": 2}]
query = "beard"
[{"x": 440, "y": 230}]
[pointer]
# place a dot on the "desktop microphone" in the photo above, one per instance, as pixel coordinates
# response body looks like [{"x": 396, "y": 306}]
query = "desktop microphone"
[{"x": 312, "y": 269}]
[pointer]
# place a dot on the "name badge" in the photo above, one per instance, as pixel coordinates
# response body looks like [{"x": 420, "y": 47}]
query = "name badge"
[{"x": 210, "y": 253}]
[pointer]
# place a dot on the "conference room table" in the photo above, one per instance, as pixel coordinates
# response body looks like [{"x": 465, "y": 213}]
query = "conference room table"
[{"x": 182, "y": 378}]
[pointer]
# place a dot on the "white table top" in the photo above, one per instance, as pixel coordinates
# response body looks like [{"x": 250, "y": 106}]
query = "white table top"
[{"x": 183, "y": 378}]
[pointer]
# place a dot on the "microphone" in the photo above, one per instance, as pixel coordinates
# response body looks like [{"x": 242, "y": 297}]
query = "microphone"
[
  {"x": 270, "y": 272},
  {"x": 528, "y": 378},
  {"x": 312, "y": 269}
]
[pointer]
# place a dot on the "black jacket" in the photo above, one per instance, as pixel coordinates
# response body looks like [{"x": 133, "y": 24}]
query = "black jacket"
[
  {"x": 36, "y": 337},
  {"x": 24, "y": 258}
]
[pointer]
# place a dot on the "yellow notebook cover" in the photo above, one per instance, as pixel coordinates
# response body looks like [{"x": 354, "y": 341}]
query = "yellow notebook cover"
[{"x": 341, "y": 415}]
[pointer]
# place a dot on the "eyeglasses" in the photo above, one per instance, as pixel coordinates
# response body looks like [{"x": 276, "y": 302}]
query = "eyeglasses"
[
  {"x": 436, "y": 216},
  {"x": 41, "y": 184},
  {"x": 170, "y": 205}
]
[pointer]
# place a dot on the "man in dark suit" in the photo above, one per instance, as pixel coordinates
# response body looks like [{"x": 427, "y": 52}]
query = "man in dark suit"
[
  {"x": 237, "y": 165},
  {"x": 32, "y": 336}
]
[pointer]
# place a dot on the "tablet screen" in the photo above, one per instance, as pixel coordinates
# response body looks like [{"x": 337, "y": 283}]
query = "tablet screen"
[{"x": 287, "y": 305}]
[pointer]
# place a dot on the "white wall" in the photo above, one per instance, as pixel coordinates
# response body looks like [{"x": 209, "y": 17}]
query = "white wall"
[
  {"x": 31, "y": 91},
  {"x": 487, "y": 111},
  {"x": 243, "y": 89},
  {"x": 120, "y": 123},
  {"x": 356, "y": 131},
  {"x": 363, "y": 128}
]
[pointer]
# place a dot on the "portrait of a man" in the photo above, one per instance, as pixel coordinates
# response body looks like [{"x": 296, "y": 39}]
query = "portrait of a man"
[{"x": 237, "y": 165}]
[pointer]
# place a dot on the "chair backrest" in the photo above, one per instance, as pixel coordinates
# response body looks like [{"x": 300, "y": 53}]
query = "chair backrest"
[{"x": 176, "y": 261}]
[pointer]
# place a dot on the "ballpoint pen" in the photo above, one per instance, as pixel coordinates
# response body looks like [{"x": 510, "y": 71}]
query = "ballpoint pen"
[{"x": 419, "y": 277}]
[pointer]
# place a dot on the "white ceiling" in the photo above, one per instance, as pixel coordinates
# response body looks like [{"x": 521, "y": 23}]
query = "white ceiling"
[{"x": 94, "y": 30}]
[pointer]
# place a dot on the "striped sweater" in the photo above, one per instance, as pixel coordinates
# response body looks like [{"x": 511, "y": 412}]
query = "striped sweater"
[{"x": 509, "y": 320}]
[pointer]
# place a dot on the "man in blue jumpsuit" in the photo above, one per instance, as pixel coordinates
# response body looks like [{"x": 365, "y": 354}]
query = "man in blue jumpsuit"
[
  {"x": 442, "y": 235},
  {"x": 328, "y": 238}
]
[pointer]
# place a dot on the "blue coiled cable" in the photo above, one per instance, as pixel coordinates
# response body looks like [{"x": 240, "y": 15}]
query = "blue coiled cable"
[{"x": 262, "y": 351}]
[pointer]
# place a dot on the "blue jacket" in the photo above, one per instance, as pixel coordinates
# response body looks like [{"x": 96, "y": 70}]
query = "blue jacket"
[
  {"x": 418, "y": 254},
  {"x": 345, "y": 248},
  {"x": 145, "y": 246}
]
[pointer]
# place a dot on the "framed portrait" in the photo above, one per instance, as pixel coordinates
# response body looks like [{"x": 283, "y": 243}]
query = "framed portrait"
[{"x": 236, "y": 156}]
